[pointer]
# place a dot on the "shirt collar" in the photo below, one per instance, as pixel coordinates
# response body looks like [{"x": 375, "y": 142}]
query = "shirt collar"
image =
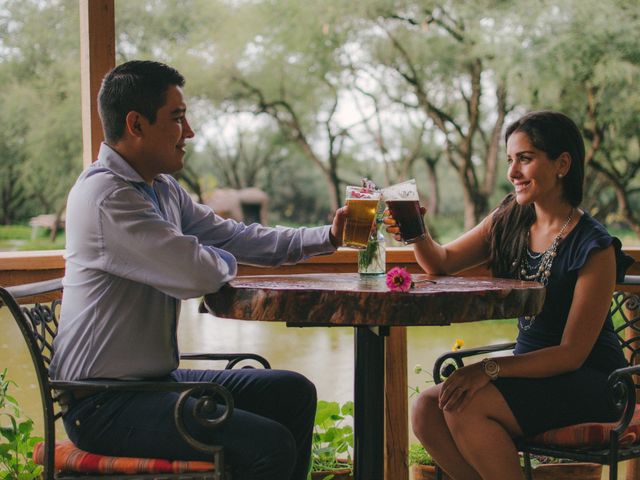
[{"x": 113, "y": 161}]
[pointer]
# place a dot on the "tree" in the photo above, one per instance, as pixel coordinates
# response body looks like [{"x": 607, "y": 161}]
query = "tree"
[
  {"x": 41, "y": 143},
  {"x": 593, "y": 79},
  {"x": 442, "y": 59},
  {"x": 276, "y": 60}
]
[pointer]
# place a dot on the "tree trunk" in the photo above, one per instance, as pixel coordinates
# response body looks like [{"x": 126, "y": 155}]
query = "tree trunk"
[{"x": 433, "y": 205}]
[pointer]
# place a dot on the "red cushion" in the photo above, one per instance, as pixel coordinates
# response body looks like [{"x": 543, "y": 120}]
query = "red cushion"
[
  {"x": 589, "y": 434},
  {"x": 70, "y": 458}
]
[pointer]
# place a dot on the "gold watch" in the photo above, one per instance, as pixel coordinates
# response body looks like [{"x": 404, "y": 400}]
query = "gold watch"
[{"x": 491, "y": 368}]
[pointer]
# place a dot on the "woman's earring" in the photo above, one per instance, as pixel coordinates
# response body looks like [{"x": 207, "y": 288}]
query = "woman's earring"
[{"x": 560, "y": 175}]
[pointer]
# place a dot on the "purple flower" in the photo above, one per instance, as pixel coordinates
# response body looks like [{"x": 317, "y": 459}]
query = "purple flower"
[{"x": 399, "y": 280}]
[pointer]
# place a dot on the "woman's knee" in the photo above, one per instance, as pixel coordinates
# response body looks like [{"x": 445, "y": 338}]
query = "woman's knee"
[
  {"x": 487, "y": 405},
  {"x": 425, "y": 413}
]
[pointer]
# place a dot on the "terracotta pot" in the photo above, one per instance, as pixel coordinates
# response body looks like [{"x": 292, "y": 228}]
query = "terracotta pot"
[
  {"x": 425, "y": 472},
  {"x": 341, "y": 474},
  {"x": 568, "y": 471}
]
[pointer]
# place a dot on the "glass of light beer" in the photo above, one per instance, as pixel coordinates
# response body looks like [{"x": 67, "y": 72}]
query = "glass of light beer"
[
  {"x": 404, "y": 206},
  {"x": 363, "y": 206}
]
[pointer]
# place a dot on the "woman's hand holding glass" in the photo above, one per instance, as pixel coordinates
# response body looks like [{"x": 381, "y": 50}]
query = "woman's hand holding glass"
[{"x": 392, "y": 226}]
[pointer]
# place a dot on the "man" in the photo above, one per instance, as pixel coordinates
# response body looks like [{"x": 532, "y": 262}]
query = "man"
[{"x": 136, "y": 245}]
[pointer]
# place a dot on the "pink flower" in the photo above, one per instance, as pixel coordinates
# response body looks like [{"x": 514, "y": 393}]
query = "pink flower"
[{"x": 399, "y": 280}]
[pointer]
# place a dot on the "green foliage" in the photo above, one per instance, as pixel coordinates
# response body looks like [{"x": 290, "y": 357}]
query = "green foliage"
[
  {"x": 332, "y": 439},
  {"x": 419, "y": 456},
  {"x": 41, "y": 137},
  {"x": 429, "y": 380},
  {"x": 15, "y": 232},
  {"x": 16, "y": 440},
  {"x": 19, "y": 237},
  {"x": 326, "y": 92}
]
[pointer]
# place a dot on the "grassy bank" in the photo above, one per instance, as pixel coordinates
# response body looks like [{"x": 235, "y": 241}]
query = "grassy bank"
[{"x": 21, "y": 237}]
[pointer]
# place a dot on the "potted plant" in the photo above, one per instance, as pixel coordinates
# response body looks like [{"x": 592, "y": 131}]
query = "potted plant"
[{"x": 332, "y": 442}]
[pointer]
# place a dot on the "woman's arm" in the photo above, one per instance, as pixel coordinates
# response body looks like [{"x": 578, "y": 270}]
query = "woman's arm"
[{"x": 467, "y": 251}]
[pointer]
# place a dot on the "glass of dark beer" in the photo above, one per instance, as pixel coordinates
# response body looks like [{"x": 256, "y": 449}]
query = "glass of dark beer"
[{"x": 404, "y": 206}]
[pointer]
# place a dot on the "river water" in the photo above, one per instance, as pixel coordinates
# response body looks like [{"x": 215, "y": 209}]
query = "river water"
[{"x": 325, "y": 355}]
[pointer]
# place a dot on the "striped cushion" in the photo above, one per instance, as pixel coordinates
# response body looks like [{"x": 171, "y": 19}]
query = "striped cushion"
[
  {"x": 70, "y": 458},
  {"x": 589, "y": 434}
]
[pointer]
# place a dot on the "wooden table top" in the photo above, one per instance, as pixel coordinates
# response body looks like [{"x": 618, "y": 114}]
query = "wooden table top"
[{"x": 347, "y": 299}]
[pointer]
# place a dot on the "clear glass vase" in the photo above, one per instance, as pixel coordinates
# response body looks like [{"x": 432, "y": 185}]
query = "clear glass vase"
[{"x": 372, "y": 259}]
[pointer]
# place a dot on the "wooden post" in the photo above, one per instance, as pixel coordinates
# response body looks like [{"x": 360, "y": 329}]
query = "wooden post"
[
  {"x": 97, "y": 57},
  {"x": 396, "y": 431}
]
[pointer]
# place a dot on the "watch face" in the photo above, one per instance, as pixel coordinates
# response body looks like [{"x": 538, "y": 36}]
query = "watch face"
[{"x": 491, "y": 368}]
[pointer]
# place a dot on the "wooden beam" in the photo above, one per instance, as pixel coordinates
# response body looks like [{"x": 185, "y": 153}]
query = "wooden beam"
[
  {"x": 396, "y": 391},
  {"x": 97, "y": 57}
]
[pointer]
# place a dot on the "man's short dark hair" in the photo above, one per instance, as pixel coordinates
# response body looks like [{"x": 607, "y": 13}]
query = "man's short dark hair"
[{"x": 137, "y": 85}]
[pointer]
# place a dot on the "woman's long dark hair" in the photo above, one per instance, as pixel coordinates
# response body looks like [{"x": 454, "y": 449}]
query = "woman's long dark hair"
[{"x": 554, "y": 133}]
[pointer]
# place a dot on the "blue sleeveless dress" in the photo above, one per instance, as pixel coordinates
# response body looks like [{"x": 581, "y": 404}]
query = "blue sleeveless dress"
[{"x": 540, "y": 404}]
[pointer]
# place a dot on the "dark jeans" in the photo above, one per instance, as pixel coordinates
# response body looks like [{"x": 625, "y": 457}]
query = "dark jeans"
[{"x": 268, "y": 436}]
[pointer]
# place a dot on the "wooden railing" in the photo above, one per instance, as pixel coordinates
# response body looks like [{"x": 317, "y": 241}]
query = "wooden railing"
[{"x": 23, "y": 267}]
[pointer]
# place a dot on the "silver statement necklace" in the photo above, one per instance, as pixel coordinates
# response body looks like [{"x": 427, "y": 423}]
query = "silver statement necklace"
[{"x": 543, "y": 271}]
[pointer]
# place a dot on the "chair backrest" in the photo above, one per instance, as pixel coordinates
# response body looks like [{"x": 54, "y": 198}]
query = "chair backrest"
[
  {"x": 625, "y": 310},
  {"x": 38, "y": 323}
]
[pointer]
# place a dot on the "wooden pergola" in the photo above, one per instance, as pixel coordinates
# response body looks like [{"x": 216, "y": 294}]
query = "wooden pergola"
[
  {"x": 97, "y": 49},
  {"x": 97, "y": 57}
]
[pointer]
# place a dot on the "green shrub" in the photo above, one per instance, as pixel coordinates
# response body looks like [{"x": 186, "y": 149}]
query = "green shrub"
[
  {"x": 419, "y": 456},
  {"x": 16, "y": 438},
  {"x": 332, "y": 440}
]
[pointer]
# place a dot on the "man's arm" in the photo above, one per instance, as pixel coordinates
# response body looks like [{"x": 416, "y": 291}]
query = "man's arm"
[
  {"x": 256, "y": 244},
  {"x": 119, "y": 232}
]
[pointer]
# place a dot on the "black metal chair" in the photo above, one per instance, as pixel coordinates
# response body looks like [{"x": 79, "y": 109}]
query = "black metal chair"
[
  {"x": 39, "y": 324},
  {"x": 623, "y": 391}
]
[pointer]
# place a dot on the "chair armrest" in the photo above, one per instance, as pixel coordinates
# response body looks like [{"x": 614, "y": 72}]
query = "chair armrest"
[
  {"x": 623, "y": 393},
  {"x": 232, "y": 358},
  {"x": 123, "y": 386},
  {"x": 37, "y": 292},
  {"x": 449, "y": 362},
  {"x": 36, "y": 288},
  {"x": 208, "y": 397},
  {"x": 631, "y": 280}
]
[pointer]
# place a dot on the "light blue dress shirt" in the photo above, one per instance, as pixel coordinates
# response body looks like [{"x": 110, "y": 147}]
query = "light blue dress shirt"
[{"x": 132, "y": 254}]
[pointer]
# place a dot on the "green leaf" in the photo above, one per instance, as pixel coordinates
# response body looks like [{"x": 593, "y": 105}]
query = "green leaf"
[
  {"x": 8, "y": 433},
  {"x": 347, "y": 409},
  {"x": 25, "y": 427},
  {"x": 33, "y": 440}
]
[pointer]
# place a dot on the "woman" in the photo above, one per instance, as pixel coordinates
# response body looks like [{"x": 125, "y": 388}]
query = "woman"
[{"x": 564, "y": 354}]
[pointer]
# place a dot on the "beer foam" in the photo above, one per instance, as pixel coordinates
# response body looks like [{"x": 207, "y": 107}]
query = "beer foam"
[
  {"x": 401, "y": 191},
  {"x": 362, "y": 193}
]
